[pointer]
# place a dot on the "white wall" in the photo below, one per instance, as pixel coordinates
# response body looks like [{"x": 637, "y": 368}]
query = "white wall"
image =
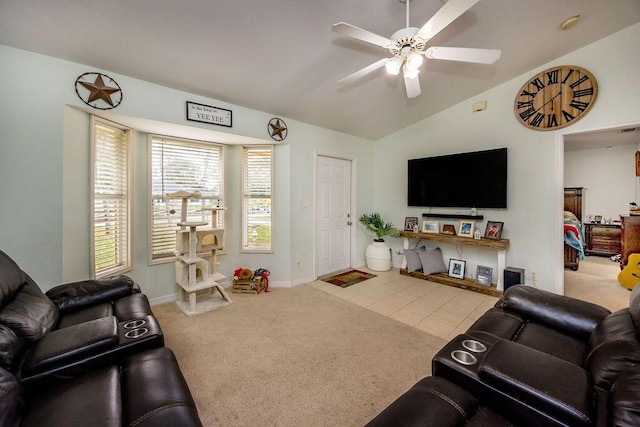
[
  {"x": 45, "y": 169},
  {"x": 608, "y": 176},
  {"x": 533, "y": 219}
]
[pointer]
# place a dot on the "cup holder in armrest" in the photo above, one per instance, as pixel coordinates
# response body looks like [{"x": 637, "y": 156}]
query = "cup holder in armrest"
[
  {"x": 133, "y": 324},
  {"x": 136, "y": 333},
  {"x": 474, "y": 346},
  {"x": 463, "y": 357}
]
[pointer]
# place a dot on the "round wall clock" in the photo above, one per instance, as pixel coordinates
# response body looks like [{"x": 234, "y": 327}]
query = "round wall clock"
[
  {"x": 277, "y": 129},
  {"x": 98, "y": 91},
  {"x": 556, "y": 98}
]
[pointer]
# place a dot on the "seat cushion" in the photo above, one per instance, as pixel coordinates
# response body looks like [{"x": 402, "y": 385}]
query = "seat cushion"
[
  {"x": 93, "y": 312},
  {"x": 93, "y": 400},
  {"x": 11, "y": 278},
  {"x": 552, "y": 342}
]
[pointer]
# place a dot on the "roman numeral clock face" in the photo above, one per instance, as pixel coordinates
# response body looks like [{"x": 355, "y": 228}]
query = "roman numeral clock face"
[{"x": 556, "y": 98}]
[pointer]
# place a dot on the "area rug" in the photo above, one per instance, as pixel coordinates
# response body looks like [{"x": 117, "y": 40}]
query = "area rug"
[{"x": 348, "y": 278}]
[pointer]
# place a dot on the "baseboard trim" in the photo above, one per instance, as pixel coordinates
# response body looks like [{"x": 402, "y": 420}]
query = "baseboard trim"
[{"x": 164, "y": 299}]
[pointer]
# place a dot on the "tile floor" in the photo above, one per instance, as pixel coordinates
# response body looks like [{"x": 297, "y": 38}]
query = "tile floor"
[
  {"x": 440, "y": 310},
  {"x": 446, "y": 312}
]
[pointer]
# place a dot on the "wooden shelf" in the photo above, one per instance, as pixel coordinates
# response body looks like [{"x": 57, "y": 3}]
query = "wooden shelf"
[
  {"x": 453, "y": 216},
  {"x": 466, "y": 283},
  {"x": 499, "y": 245}
]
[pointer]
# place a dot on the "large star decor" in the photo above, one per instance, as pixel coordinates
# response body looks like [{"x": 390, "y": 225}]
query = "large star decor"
[
  {"x": 277, "y": 129},
  {"x": 93, "y": 91}
]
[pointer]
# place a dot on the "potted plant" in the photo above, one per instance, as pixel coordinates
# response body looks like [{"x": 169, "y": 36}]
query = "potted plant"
[{"x": 378, "y": 253}]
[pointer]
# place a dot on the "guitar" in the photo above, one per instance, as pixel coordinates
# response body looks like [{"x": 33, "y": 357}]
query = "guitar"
[{"x": 630, "y": 275}]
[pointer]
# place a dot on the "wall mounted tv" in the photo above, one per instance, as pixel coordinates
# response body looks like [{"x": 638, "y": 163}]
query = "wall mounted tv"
[{"x": 466, "y": 180}]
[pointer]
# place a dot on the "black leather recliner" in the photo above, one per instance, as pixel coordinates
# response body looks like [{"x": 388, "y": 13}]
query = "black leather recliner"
[
  {"x": 144, "y": 390},
  {"x": 73, "y": 328},
  {"x": 537, "y": 358}
]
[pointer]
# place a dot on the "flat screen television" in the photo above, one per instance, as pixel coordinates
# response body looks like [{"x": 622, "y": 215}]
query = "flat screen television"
[{"x": 467, "y": 180}]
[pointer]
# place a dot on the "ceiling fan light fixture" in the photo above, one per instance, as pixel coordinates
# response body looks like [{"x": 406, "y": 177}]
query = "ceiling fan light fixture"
[
  {"x": 410, "y": 73},
  {"x": 414, "y": 60},
  {"x": 393, "y": 66}
]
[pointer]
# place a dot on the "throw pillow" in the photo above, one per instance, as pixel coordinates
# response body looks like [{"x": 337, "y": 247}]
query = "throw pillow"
[
  {"x": 413, "y": 261},
  {"x": 432, "y": 261}
]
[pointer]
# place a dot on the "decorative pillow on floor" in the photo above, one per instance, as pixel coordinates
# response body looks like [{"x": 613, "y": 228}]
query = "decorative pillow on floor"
[
  {"x": 413, "y": 260},
  {"x": 432, "y": 261}
]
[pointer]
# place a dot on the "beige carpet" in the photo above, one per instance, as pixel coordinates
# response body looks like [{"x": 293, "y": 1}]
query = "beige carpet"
[
  {"x": 295, "y": 357},
  {"x": 596, "y": 281}
]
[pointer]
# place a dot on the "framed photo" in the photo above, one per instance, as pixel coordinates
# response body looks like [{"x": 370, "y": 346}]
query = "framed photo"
[
  {"x": 483, "y": 275},
  {"x": 493, "y": 230},
  {"x": 410, "y": 222},
  {"x": 430, "y": 226},
  {"x": 466, "y": 228},
  {"x": 456, "y": 268},
  {"x": 449, "y": 229}
]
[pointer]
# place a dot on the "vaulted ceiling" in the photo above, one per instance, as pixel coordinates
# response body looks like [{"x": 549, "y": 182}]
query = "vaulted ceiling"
[{"x": 280, "y": 56}]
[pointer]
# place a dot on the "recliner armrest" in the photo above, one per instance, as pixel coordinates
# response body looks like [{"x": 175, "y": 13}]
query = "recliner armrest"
[
  {"x": 71, "y": 344},
  {"x": 551, "y": 385},
  {"x": 573, "y": 316},
  {"x": 72, "y": 296}
]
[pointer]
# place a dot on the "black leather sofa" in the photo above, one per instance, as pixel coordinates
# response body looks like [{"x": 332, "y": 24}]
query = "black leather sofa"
[
  {"x": 535, "y": 359},
  {"x": 55, "y": 348}
]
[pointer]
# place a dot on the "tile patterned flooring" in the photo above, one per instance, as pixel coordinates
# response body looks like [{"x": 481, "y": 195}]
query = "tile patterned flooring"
[
  {"x": 446, "y": 312},
  {"x": 440, "y": 310}
]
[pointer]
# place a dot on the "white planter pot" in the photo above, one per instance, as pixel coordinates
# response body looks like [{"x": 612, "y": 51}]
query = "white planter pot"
[{"x": 378, "y": 256}]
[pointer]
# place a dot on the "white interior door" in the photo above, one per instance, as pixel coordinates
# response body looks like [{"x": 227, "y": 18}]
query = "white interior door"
[{"x": 333, "y": 214}]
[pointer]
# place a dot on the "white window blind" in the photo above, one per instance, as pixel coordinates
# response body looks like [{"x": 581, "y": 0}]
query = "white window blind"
[
  {"x": 110, "y": 211},
  {"x": 182, "y": 165},
  {"x": 257, "y": 184}
]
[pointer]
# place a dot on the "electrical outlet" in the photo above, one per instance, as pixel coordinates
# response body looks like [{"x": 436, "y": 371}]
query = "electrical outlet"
[
  {"x": 298, "y": 265},
  {"x": 534, "y": 276}
]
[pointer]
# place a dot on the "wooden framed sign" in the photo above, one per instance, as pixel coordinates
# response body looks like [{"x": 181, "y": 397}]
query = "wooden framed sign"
[{"x": 208, "y": 114}]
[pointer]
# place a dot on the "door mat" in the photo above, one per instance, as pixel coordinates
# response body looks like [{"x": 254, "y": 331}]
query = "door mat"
[{"x": 348, "y": 278}]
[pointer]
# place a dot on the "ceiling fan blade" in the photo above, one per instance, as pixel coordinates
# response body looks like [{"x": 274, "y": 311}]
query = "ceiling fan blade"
[
  {"x": 465, "y": 54},
  {"x": 443, "y": 17},
  {"x": 361, "y": 73},
  {"x": 360, "y": 34},
  {"x": 412, "y": 86}
]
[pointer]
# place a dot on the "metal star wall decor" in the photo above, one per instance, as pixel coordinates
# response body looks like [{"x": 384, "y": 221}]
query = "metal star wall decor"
[
  {"x": 98, "y": 91},
  {"x": 277, "y": 129}
]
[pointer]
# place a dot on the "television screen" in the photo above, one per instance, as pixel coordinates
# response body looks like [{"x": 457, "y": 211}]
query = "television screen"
[{"x": 467, "y": 180}]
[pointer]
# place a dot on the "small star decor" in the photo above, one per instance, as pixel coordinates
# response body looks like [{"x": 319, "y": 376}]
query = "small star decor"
[
  {"x": 277, "y": 129},
  {"x": 99, "y": 91}
]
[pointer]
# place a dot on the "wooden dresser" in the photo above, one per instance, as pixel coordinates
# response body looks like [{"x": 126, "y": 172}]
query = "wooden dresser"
[
  {"x": 630, "y": 237},
  {"x": 602, "y": 239}
]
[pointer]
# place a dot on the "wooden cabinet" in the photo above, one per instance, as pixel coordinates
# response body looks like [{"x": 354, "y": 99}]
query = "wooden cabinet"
[
  {"x": 630, "y": 237},
  {"x": 602, "y": 239}
]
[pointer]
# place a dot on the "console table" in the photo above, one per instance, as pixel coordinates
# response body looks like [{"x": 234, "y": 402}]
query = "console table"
[{"x": 500, "y": 246}]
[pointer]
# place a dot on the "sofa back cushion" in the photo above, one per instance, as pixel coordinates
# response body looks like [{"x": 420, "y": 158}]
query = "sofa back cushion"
[
  {"x": 11, "y": 278},
  {"x": 30, "y": 314},
  {"x": 624, "y": 400},
  {"x": 634, "y": 308},
  {"x": 9, "y": 349},
  {"x": 11, "y": 400},
  {"x": 613, "y": 348}
]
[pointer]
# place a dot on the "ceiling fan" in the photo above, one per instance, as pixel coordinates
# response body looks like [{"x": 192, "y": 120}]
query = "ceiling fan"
[{"x": 408, "y": 46}]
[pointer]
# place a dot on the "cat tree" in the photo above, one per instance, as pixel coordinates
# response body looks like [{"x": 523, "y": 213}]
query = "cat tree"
[{"x": 196, "y": 276}]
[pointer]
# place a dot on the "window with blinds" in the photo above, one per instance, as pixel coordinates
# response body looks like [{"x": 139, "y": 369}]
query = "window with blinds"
[
  {"x": 177, "y": 164},
  {"x": 257, "y": 185},
  {"x": 110, "y": 210}
]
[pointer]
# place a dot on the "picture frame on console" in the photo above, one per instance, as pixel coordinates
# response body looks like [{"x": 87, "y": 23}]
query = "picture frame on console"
[
  {"x": 410, "y": 222},
  {"x": 456, "y": 268},
  {"x": 466, "y": 228},
  {"x": 493, "y": 230},
  {"x": 430, "y": 226}
]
